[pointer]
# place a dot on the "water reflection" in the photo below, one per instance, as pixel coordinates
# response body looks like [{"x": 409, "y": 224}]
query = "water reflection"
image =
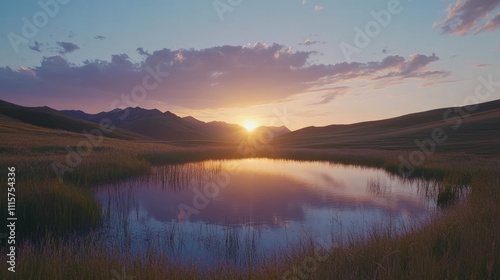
[{"x": 261, "y": 206}]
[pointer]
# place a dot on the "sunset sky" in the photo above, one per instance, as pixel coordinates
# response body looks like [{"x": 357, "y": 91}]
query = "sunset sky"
[{"x": 278, "y": 62}]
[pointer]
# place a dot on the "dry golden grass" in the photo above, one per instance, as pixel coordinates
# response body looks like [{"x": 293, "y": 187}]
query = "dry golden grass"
[{"x": 462, "y": 243}]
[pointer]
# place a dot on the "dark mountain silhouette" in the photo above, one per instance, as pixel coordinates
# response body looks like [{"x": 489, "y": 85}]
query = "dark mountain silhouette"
[
  {"x": 50, "y": 118},
  {"x": 133, "y": 123},
  {"x": 170, "y": 127},
  {"x": 150, "y": 123},
  {"x": 476, "y": 131}
]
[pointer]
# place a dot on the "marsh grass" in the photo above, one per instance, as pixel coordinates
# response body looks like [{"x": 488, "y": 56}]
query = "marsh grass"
[
  {"x": 462, "y": 243},
  {"x": 49, "y": 207}
]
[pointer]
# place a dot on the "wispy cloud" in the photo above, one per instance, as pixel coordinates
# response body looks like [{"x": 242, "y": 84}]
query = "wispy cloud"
[
  {"x": 481, "y": 65},
  {"x": 309, "y": 42},
  {"x": 67, "y": 47},
  {"x": 466, "y": 16},
  {"x": 491, "y": 25},
  {"x": 99, "y": 37},
  {"x": 318, "y": 8},
  {"x": 331, "y": 94},
  {"x": 215, "y": 77}
]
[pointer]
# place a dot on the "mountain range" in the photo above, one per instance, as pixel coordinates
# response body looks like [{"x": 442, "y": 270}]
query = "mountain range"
[
  {"x": 474, "y": 129},
  {"x": 134, "y": 123}
]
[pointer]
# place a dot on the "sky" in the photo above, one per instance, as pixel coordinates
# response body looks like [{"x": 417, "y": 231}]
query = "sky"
[{"x": 297, "y": 63}]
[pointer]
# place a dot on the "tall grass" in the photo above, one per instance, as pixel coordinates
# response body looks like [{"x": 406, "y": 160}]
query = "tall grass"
[
  {"x": 463, "y": 243},
  {"x": 48, "y": 207}
]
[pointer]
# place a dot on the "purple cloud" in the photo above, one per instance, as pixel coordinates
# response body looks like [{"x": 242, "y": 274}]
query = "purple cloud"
[
  {"x": 215, "y": 77},
  {"x": 482, "y": 65},
  {"x": 67, "y": 47},
  {"x": 415, "y": 67},
  {"x": 468, "y": 16},
  {"x": 36, "y": 47},
  {"x": 491, "y": 24},
  {"x": 141, "y": 51}
]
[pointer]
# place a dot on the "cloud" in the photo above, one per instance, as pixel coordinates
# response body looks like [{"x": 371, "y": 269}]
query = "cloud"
[
  {"x": 318, "y": 8},
  {"x": 331, "y": 94},
  {"x": 491, "y": 24},
  {"x": 99, "y": 37},
  {"x": 386, "y": 50},
  {"x": 310, "y": 43},
  {"x": 481, "y": 65},
  {"x": 215, "y": 77},
  {"x": 36, "y": 47},
  {"x": 141, "y": 51},
  {"x": 468, "y": 16},
  {"x": 67, "y": 47},
  {"x": 498, "y": 48},
  {"x": 415, "y": 67},
  {"x": 304, "y": 2}
]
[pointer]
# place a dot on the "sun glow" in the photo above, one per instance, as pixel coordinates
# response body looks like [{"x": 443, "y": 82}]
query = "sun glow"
[{"x": 250, "y": 126}]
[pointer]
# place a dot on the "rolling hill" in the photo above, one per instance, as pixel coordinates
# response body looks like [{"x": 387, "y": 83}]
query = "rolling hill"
[{"x": 475, "y": 131}]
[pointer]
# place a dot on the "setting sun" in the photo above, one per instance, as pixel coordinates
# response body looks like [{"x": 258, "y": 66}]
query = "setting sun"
[
  {"x": 250, "y": 138},
  {"x": 250, "y": 126}
]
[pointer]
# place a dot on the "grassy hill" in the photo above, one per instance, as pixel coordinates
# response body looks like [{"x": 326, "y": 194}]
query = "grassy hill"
[{"x": 475, "y": 131}]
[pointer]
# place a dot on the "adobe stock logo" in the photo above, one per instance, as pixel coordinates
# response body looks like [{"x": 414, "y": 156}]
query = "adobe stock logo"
[
  {"x": 372, "y": 29},
  {"x": 221, "y": 7},
  {"x": 39, "y": 19}
]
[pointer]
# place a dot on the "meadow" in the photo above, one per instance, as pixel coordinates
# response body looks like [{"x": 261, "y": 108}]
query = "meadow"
[{"x": 462, "y": 242}]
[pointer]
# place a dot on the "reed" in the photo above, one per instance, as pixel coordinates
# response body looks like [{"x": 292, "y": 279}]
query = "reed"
[{"x": 462, "y": 243}]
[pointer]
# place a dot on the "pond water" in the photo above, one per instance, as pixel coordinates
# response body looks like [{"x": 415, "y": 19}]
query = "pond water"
[{"x": 239, "y": 212}]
